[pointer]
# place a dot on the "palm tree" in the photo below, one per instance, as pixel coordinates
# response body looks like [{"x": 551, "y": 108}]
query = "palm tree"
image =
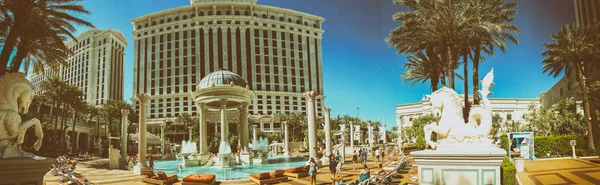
[
  {"x": 78, "y": 106},
  {"x": 54, "y": 89},
  {"x": 573, "y": 47},
  {"x": 422, "y": 69},
  {"x": 492, "y": 28},
  {"x": 53, "y": 18},
  {"x": 185, "y": 119}
]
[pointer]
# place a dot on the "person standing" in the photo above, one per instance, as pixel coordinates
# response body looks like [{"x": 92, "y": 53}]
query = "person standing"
[
  {"x": 332, "y": 166},
  {"x": 377, "y": 152},
  {"x": 312, "y": 171},
  {"x": 364, "y": 156},
  {"x": 355, "y": 159},
  {"x": 151, "y": 161}
]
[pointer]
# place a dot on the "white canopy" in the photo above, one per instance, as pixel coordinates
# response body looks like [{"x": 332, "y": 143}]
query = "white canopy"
[{"x": 150, "y": 138}]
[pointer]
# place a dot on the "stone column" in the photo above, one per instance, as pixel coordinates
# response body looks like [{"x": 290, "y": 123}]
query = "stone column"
[
  {"x": 124, "y": 113},
  {"x": 254, "y": 134},
  {"x": 202, "y": 139},
  {"x": 399, "y": 131},
  {"x": 370, "y": 135},
  {"x": 223, "y": 120},
  {"x": 76, "y": 141},
  {"x": 351, "y": 135},
  {"x": 312, "y": 127},
  {"x": 286, "y": 142},
  {"x": 142, "y": 98},
  {"x": 328, "y": 130},
  {"x": 89, "y": 140},
  {"x": 190, "y": 132},
  {"x": 243, "y": 111},
  {"x": 162, "y": 140}
]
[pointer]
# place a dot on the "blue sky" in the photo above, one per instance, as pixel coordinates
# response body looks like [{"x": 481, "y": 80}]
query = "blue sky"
[{"x": 359, "y": 68}]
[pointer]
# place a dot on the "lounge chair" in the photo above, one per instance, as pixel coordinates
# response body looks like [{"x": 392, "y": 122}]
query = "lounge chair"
[
  {"x": 159, "y": 178},
  {"x": 269, "y": 178},
  {"x": 204, "y": 179},
  {"x": 297, "y": 172}
]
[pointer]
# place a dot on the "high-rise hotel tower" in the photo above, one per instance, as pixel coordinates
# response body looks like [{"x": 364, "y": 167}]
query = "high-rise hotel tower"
[
  {"x": 95, "y": 66},
  {"x": 276, "y": 50}
]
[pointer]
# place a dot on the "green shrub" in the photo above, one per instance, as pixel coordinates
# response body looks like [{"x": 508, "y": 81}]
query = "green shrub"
[
  {"x": 509, "y": 172},
  {"x": 504, "y": 142},
  {"x": 558, "y": 146}
]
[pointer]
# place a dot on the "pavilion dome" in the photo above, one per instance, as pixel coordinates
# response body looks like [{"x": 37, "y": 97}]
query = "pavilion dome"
[{"x": 221, "y": 77}]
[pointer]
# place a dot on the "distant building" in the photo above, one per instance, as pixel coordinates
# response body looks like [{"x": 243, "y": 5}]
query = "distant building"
[
  {"x": 277, "y": 51},
  {"x": 510, "y": 109},
  {"x": 587, "y": 12},
  {"x": 95, "y": 66}
]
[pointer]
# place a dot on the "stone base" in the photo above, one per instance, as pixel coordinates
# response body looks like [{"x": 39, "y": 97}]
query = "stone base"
[
  {"x": 22, "y": 170},
  {"x": 139, "y": 170},
  {"x": 246, "y": 158},
  {"x": 226, "y": 160},
  {"x": 460, "y": 166}
]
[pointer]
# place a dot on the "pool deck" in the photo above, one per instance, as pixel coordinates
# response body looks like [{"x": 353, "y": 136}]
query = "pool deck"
[
  {"x": 96, "y": 171},
  {"x": 561, "y": 171}
]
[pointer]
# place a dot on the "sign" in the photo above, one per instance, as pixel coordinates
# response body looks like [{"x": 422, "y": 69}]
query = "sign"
[{"x": 573, "y": 143}]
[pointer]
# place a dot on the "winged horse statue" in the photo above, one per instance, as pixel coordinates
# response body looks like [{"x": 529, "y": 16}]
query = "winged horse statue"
[
  {"x": 16, "y": 94},
  {"x": 452, "y": 131}
]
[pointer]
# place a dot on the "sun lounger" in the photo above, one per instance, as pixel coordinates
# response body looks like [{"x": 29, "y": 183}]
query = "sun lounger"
[
  {"x": 204, "y": 179},
  {"x": 269, "y": 178},
  {"x": 297, "y": 172},
  {"x": 159, "y": 178}
]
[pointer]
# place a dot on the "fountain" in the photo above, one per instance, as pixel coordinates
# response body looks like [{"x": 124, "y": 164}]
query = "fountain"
[
  {"x": 260, "y": 149},
  {"x": 189, "y": 151},
  {"x": 226, "y": 158}
]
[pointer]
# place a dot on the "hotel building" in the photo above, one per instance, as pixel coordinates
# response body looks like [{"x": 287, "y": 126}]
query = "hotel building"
[
  {"x": 510, "y": 109},
  {"x": 587, "y": 12},
  {"x": 276, "y": 50},
  {"x": 95, "y": 66}
]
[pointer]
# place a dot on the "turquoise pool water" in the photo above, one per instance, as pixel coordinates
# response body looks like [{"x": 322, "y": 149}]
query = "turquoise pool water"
[{"x": 237, "y": 172}]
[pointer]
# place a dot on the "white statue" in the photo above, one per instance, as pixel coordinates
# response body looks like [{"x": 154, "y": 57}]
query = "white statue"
[
  {"x": 453, "y": 132},
  {"x": 16, "y": 94}
]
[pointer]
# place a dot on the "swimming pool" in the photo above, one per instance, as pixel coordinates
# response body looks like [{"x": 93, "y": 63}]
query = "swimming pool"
[{"x": 237, "y": 172}]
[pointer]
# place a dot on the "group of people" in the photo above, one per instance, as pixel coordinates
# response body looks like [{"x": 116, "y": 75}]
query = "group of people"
[{"x": 65, "y": 167}]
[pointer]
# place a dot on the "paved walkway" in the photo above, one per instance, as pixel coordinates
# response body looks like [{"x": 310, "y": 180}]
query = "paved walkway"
[
  {"x": 561, "y": 171},
  {"x": 97, "y": 173}
]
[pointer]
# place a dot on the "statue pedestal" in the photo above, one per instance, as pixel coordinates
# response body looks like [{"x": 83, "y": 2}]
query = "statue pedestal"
[
  {"x": 478, "y": 166},
  {"x": 24, "y": 170},
  {"x": 114, "y": 155},
  {"x": 139, "y": 170}
]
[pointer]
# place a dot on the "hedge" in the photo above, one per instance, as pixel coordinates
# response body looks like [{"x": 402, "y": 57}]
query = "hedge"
[
  {"x": 559, "y": 146},
  {"x": 509, "y": 172},
  {"x": 504, "y": 143}
]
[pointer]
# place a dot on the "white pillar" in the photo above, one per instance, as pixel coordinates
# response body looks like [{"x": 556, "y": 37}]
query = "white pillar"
[
  {"x": 76, "y": 141},
  {"x": 370, "y": 135},
  {"x": 254, "y": 134},
  {"x": 162, "y": 139},
  {"x": 328, "y": 131},
  {"x": 312, "y": 128},
  {"x": 351, "y": 135},
  {"x": 142, "y": 98},
  {"x": 190, "y": 132},
  {"x": 124, "y": 114},
  {"x": 224, "y": 121},
  {"x": 243, "y": 111},
  {"x": 202, "y": 139},
  {"x": 286, "y": 143}
]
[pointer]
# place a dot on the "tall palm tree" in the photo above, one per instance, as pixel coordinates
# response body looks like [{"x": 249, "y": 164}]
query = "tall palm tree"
[
  {"x": 422, "y": 69},
  {"x": 185, "y": 119},
  {"x": 55, "y": 18},
  {"x": 572, "y": 48},
  {"x": 491, "y": 29},
  {"x": 54, "y": 89},
  {"x": 78, "y": 106}
]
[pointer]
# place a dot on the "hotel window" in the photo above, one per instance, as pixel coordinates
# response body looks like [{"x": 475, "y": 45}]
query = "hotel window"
[{"x": 509, "y": 116}]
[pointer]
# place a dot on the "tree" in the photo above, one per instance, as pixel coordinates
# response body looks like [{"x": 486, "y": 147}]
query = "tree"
[
  {"x": 53, "y": 18},
  {"x": 297, "y": 124},
  {"x": 573, "y": 46},
  {"x": 186, "y": 119},
  {"x": 421, "y": 68},
  {"x": 54, "y": 89}
]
